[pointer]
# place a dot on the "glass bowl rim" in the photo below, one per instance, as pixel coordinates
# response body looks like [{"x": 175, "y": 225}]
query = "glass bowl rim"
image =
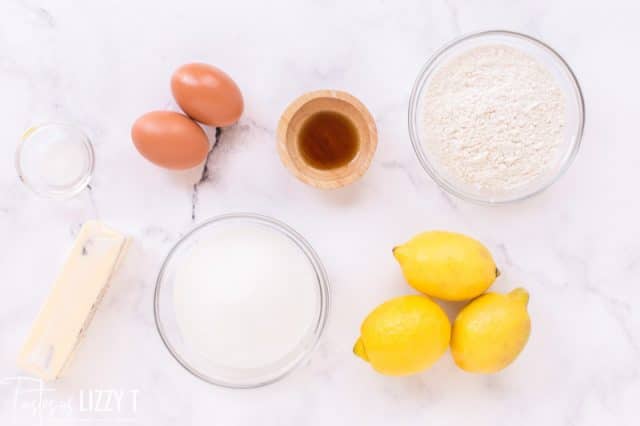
[
  {"x": 323, "y": 298},
  {"x": 427, "y": 70},
  {"x": 72, "y": 190}
]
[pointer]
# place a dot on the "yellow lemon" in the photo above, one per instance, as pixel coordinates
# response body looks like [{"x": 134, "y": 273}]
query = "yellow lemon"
[
  {"x": 404, "y": 335},
  {"x": 491, "y": 331},
  {"x": 446, "y": 265}
]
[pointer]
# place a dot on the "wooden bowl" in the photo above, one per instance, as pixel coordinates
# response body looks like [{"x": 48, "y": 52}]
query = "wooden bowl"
[{"x": 308, "y": 104}]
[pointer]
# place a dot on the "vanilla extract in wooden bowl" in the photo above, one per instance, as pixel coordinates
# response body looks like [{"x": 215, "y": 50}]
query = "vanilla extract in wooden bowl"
[{"x": 327, "y": 138}]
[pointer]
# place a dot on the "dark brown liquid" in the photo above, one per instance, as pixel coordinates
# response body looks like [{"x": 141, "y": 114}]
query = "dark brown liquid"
[{"x": 328, "y": 140}]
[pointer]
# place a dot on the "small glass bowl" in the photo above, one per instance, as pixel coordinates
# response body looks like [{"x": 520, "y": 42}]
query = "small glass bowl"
[
  {"x": 197, "y": 364},
  {"x": 55, "y": 160},
  {"x": 565, "y": 78}
]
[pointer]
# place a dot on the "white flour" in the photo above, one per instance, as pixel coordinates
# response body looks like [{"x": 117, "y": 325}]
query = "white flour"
[{"x": 493, "y": 117}]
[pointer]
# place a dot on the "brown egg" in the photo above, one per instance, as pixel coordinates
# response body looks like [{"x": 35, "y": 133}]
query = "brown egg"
[
  {"x": 170, "y": 139},
  {"x": 206, "y": 94}
]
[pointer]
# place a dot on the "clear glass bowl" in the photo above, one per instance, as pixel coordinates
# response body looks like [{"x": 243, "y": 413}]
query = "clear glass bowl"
[
  {"x": 574, "y": 126},
  {"x": 55, "y": 160},
  {"x": 196, "y": 363}
]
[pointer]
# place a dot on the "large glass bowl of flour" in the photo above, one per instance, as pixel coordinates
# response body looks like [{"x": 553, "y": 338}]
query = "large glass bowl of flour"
[
  {"x": 496, "y": 117},
  {"x": 241, "y": 300}
]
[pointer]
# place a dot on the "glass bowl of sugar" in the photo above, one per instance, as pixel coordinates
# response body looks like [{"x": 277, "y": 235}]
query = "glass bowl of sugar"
[
  {"x": 241, "y": 300},
  {"x": 496, "y": 117}
]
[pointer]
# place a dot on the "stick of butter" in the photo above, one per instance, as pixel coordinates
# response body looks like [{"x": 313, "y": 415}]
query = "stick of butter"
[{"x": 76, "y": 292}]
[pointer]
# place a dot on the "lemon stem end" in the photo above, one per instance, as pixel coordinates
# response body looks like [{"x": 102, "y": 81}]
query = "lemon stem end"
[
  {"x": 521, "y": 295},
  {"x": 358, "y": 350},
  {"x": 398, "y": 252}
]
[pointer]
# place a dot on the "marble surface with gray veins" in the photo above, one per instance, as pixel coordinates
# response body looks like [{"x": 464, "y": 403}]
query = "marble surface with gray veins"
[{"x": 576, "y": 246}]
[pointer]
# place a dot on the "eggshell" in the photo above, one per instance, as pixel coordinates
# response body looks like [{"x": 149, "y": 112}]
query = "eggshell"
[
  {"x": 206, "y": 94},
  {"x": 170, "y": 139}
]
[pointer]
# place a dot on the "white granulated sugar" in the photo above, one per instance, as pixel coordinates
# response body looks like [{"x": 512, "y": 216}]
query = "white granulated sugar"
[{"x": 493, "y": 117}]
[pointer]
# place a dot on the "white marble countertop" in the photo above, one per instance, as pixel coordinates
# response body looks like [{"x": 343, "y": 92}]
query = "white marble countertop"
[{"x": 576, "y": 246}]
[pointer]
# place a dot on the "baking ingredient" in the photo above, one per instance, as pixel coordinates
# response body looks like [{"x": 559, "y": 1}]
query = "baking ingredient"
[
  {"x": 403, "y": 336},
  {"x": 71, "y": 304},
  {"x": 55, "y": 159},
  {"x": 206, "y": 94},
  {"x": 491, "y": 331},
  {"x": 327, "y": 115},
  {"x": 493, "y": 118},
  {"x": 328, "y": 140},
  {"x": 63, "y": 163},
  {"x": 170, "y": 140},
  {"x": 60, "y": 155},
  {"x": 446, "y": 265},
  {"x": 245, "y": 297}
]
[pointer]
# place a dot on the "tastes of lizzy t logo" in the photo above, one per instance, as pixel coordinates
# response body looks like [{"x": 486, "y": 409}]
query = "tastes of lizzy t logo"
[{"x": 26, "y": 401}]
